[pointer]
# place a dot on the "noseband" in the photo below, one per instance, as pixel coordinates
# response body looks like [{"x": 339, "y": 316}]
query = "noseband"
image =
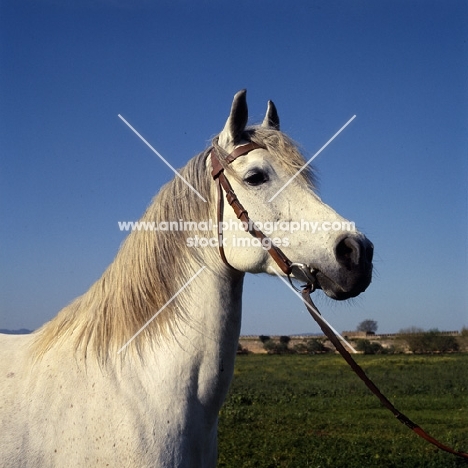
[{"x": 288, "y": 267}]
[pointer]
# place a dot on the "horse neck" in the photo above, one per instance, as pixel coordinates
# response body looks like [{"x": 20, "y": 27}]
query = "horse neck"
[
  {"x": 197, "y": 359},
  {"x": 203, "y": 317},
  {"x": 214, "y": 311}
]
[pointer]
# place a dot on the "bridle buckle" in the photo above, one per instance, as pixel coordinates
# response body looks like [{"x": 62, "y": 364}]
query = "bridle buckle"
[{"x": 305, "y": 273}]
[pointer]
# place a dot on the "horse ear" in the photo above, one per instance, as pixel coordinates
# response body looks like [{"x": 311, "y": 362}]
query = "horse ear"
[
  {"x": 271, "y": 119},
  {"x": 236, "y": 122}
]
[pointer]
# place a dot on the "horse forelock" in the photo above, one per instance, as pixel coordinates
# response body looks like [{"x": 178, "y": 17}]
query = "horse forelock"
[{"x": 283, "y": 150}]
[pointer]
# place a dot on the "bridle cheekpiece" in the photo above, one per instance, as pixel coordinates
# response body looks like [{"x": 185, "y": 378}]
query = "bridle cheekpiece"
[{"x": 217, "y": 172}]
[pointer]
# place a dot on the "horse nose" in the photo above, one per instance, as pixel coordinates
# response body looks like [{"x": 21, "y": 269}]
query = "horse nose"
[{"x": 354, "y": 251}]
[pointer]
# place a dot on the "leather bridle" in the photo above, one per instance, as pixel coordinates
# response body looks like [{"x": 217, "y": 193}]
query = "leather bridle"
[
  {"x": 288, "y": 268},
  {"x": 217, "y": 172}
]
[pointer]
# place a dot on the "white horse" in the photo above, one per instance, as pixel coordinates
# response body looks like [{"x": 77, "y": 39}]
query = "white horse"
[{"x": 134, "y": 372}]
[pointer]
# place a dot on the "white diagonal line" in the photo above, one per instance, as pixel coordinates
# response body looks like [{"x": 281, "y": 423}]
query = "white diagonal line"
[
  {"x": 161, "y": 309},
  {"x": 312, "y": 158},
  {"x": 162, "y": 158},
  {"x": 322, "y": 317}
]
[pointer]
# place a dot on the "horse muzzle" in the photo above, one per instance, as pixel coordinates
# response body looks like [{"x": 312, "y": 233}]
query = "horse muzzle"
[{"x": 351, "y": 274}]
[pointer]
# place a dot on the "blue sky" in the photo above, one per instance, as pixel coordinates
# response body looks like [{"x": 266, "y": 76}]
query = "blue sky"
[{"x": 70, "y": 169}]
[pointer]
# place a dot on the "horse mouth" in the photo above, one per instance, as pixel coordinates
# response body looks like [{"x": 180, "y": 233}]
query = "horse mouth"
[
  {"x": 353, "y": 272},
  {"x": 347, "y": 285},
  {"x": 353, "y": 285},
  {"x": 348, "y": 277}
]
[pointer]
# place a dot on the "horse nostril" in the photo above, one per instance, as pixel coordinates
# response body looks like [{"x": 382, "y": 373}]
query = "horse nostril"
[
  {"x": 348, "y": 251},
  {"x": 351, "y": 251}
]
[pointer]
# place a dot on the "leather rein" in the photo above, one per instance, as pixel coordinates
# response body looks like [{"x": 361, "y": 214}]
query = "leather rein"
[{"x": 288, "y": 267}]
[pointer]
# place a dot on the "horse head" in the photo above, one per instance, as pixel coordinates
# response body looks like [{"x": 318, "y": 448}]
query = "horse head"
[{"x": 275, "y": 186}]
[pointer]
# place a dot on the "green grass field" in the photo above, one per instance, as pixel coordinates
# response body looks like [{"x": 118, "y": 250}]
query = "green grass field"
[{"x": 313, "y": 411}]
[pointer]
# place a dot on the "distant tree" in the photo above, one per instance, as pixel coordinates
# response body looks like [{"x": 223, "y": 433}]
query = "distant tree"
[
  {"x": 463, "y": 339},
  {"x": 269, "y": 346},
  {"x": 281, "y": 347},
  {"x": 432, "y": 341},
  {"x": 447, "y": 344},
  {"x": 285, "y": 339},
  {"x": 368, "y": 326},
  {"x": 369, "y": 348},
  {"x": 315, "y": 345},
  {"x": 263, "y": 338},
  {"x": 300, "y": 348}
]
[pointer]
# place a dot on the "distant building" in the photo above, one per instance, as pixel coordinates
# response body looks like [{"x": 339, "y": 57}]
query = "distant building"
[{"x": 357, "y": 334}]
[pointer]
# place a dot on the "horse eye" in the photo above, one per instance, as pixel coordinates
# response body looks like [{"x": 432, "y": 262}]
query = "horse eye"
[{"x": 257, "y": 178}]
